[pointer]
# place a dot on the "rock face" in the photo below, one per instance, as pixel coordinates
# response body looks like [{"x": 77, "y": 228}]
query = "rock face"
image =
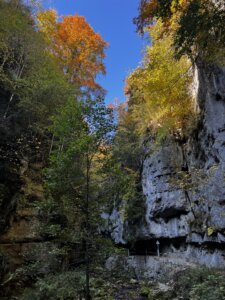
[
  {"x": 184, "y": 182},
  {"x": 21, "y": 164}
]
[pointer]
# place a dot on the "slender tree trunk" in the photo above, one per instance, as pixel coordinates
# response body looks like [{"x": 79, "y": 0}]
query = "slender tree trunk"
[
  {"x": 87, "y": 230},
  {"x": 62, "y": 146},
  {"x": 87, "y": 272},
  {"x": 52, "y": 141},
  {"x": 18, "y": 76},
  {"x": 7, "y": 109}
]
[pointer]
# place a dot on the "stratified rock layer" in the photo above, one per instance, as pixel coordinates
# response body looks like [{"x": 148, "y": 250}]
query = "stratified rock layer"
[{"x": 184, "y": 182}]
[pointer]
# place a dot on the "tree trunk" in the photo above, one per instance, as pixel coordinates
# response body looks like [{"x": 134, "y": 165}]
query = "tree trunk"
[
  {"x": 51, "y": 146},
  {"x": 18, "y": 76},
  {"x": 88, "y": 297}
]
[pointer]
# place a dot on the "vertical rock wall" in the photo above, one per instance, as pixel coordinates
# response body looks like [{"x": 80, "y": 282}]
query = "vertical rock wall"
[{"x": 184, "y": 181}]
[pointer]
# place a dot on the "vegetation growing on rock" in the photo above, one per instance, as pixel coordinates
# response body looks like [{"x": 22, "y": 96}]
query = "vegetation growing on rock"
[{"x": 67, "y": 160}]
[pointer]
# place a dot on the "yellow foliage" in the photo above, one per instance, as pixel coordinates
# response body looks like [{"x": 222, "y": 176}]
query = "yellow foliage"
[
  {"x": 47, "y": 22},
  {"x": 210, "y": 231},
  {"x": 158, "y": 91}
]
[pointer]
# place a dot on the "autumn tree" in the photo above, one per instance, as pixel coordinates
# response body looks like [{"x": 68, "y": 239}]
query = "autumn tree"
[
  {"x": 197, "y": 24},
  {"x": 76, "y": 46},
  {"x": 158, "y": 91}
]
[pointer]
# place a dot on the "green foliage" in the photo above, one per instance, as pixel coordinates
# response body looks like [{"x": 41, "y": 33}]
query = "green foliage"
[
  {"x": 80, "y": 126},
  {"x": 28, "y": 73},
  {"x": 213, "y": 288},
  {"x": 80, "y": 132},
  {"x": 47, "y": 90},
  {"x": 123, "y": 188},
  {"x": 122, "y": 183},
  {"x": 67, "y": 128},
  {"x": 127, "y": 145},
  {"x": 197, "y": 25},
  {"x": 146, "y": 292},
  {"x": 200, "y": 30},
  {"x": 67, "y": 285},
  {"x": 16, "y": 38},
  {"x": 200, "y": 284}
]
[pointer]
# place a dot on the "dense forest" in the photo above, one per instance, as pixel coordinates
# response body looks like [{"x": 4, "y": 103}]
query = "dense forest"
[{"x": 68, "y": 160}]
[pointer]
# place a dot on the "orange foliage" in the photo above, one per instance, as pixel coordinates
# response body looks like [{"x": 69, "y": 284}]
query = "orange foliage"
[{"x": 78, "y": 49}]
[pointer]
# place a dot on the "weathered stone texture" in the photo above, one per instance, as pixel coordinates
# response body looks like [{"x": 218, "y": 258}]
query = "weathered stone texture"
[{"x": 196, "y": 210}]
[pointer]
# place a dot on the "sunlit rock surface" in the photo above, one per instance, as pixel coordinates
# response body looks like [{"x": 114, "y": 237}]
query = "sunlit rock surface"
[{"x": 194, "y": 211}]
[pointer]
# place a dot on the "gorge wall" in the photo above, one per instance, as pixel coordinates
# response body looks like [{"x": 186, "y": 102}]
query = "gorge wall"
[
  {"x": 182, "y": 180},
  {"x": 183, "y": 183},
  {"x": 21, "y": 164}
]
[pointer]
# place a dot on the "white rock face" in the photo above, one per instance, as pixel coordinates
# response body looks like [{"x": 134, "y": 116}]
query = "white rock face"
[
  {"x": 115, "y": 225},
  {"x": 196, "y": 215},
  {"x": 167, "y": 212}
]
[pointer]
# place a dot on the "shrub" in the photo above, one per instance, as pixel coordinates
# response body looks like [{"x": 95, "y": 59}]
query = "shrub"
[
  {"x": 200, "y": 284},
  {"x": 67, "y": 285}
]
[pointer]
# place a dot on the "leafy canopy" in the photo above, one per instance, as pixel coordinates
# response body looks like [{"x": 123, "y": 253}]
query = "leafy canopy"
[
  {"x": 77, "y": 48},
  {"x": 28, "y": 74},
  {"x": 157, "y": 91},
  {"x": 197, "y": 25}
]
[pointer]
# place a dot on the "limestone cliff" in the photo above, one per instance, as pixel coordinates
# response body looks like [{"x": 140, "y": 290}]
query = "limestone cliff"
[{"x": 183, "y": 182}]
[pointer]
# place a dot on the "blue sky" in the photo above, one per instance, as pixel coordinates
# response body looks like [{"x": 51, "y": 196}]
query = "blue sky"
[{"x": 113, "y": 20}]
